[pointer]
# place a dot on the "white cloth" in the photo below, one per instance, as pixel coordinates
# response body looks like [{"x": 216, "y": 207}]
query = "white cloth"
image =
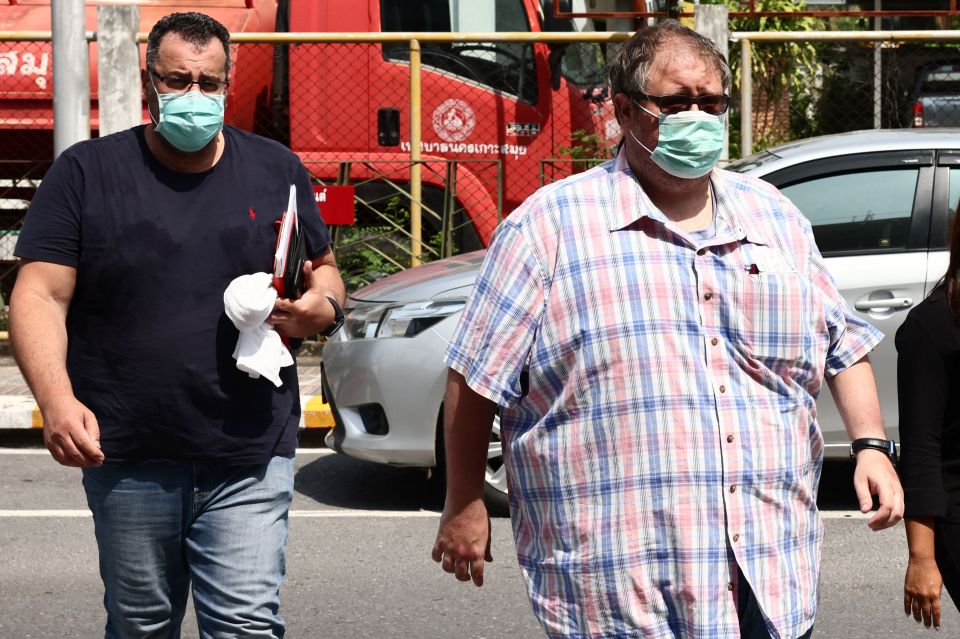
[{"x": 248, "y": 302}]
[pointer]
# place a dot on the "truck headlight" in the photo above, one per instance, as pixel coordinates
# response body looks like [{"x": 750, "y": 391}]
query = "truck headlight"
[{"x": 403, "y": 320}]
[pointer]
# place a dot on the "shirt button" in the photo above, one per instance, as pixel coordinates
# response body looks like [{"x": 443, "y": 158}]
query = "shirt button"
[
  {"x": 723, "y": 389},
  {"x": 714, "y": 341},
  {"x": 708, "y": 296},
  {"x": 736, "y": 537},
  {"x": 733, "y": 488},
  {"x": 729, "y": 439},
  {"x": 702, "y": 252},
  {"x": 730, "y": 586}
]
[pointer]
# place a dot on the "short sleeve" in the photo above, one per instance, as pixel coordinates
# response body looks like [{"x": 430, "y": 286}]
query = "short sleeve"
[
  {"x": 318, "y": 236},
  {"x": 922, "y": 390},
  {"x": 492, "y": 342},
  {"x": 51, "y": 230},
  {"x": 851, "y": 338}
]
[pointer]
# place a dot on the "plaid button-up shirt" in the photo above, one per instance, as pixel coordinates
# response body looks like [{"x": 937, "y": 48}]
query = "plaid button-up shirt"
[{"x": 658, "y": 403}]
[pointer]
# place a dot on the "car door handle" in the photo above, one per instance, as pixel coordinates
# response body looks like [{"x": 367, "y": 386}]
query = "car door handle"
[{"x": 892, "y": 302}]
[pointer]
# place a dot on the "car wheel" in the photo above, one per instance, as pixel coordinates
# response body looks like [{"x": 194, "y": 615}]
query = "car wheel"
[{"x": 495, "y": 476}]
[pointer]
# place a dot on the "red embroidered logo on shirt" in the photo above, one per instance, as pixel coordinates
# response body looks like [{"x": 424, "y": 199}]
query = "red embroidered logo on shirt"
[{"x": 253, "y": 215}]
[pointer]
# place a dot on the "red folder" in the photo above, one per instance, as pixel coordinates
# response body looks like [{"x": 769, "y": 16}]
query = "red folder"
[{"x": 290, "y": 253}]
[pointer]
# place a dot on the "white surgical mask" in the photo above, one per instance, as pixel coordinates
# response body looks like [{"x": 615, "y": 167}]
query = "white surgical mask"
[{"x": 690, "y": 142}]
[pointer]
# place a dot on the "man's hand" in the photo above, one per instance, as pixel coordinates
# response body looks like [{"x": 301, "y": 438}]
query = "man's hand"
[
  {"x": 922, "y": 587},
  {"x": 875, "y": 476},
  {"x": 71, "y": 433},
  {"x": 308, "y": 315},
  {"x": 463, "y": 541}
]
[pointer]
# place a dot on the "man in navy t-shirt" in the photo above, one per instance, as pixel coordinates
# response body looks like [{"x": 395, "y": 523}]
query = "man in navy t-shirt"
[{"x": 118, "y": 324}]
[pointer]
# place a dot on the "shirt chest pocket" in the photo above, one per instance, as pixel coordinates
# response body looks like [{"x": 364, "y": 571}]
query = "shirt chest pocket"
[{"x": 771, "y": 309}]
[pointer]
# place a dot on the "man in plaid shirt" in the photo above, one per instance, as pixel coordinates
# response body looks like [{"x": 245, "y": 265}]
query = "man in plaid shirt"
[{"x": 654, "y": 333}]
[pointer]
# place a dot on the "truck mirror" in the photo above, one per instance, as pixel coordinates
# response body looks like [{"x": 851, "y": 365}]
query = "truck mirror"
[
  {"x": 388, "y": 126},
  {"x": 554, "y": 60}
]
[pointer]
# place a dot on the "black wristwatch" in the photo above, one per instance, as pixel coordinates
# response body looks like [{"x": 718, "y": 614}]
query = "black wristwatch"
[
  {"x": 337, "y": 319},
  {"x": 886, "y": 446}
]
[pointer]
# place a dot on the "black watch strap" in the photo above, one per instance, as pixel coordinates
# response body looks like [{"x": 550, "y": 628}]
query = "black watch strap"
[
  {"x": 337, "y": 319},
  {"x": 886, "y": 446}
]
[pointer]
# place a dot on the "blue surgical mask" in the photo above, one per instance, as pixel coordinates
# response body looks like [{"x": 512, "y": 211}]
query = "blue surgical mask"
[
  {"x": 689, "y": 144},
  {"x": 189, "y": 120}
]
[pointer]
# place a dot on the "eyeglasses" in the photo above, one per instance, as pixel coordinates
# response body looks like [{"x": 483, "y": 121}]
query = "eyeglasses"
[
  {"x": 668, "y": 104},
  {"x": 180, "y": 84}
]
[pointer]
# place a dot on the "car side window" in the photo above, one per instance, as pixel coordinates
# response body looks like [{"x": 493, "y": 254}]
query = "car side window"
[
  {"x": 954, "y": 198},
  {"x": 863, "y": 211}
]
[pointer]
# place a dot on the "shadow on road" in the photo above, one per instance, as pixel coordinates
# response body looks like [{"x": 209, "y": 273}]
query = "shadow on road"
[{"x": 343, "y": 482}]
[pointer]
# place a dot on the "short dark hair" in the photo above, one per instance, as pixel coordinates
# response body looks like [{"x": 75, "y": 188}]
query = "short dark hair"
[
  {"x": 196, "y": 28},
  {"x": 630, "y": 68}
]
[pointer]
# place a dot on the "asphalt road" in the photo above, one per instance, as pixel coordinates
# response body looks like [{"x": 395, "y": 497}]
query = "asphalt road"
[{"x": 358, "y": 560}]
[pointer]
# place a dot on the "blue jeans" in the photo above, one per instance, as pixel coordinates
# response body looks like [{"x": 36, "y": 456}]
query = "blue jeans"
[{"x": 160, "y": 527}]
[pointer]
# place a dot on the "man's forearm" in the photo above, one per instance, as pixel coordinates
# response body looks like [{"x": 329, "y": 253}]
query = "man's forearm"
[
  {"x": 326, "y": 277},
  {"x": 468, "y": 419},
  {"x": 328, "y": 282},
  {"x": 38, "y": 339},
  {"x": 855, "y": 393}
]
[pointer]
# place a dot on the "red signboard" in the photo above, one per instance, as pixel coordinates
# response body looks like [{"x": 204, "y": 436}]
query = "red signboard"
[{"x": 335, "y": 203}]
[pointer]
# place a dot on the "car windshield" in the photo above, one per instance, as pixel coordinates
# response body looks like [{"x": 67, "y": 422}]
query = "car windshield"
[
  {"x": 581, "y": 63},
  {"x": 503, "y": 66},
  {"x": 940, "y": 82}
]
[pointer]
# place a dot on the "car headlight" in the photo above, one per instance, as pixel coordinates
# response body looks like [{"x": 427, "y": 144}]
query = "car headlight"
[
  {"x": 362, "y": 323},
  {"x": 403, "y": 320}
]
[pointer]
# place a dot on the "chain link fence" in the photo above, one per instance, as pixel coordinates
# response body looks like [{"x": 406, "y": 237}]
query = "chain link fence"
[
  {"x": 26, "y": 146},
  {"x": 497, "y": 119},
  {"x": 809, "y": 84}
]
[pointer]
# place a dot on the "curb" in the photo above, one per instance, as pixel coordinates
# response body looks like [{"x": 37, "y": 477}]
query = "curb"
[{"x": 19, "y": 412}]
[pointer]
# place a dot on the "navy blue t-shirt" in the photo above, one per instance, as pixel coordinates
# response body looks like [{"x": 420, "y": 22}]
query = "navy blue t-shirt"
[{"x": 150, "y": 348}]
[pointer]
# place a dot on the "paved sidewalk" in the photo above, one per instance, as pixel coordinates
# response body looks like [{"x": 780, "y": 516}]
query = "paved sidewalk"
[{"x": 18, "y": 410}]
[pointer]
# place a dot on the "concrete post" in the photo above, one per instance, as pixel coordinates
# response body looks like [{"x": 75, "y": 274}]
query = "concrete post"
[
  {"x": 118, "y": 63},
  {"x": 71, "y": 74},
  {"x": 711, "y": 21}
]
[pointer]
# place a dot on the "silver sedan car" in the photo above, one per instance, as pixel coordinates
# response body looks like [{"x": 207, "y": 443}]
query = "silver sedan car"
[{"x": 880, "y": 203}]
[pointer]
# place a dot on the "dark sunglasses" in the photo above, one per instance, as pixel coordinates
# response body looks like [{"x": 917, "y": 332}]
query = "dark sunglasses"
[{"x": 668, "y": 104}]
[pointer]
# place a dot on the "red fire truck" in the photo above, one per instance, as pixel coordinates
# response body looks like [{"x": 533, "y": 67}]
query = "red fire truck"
[
  {"x": 495, "y": 109},
  {"x": 26, "y": 76}
]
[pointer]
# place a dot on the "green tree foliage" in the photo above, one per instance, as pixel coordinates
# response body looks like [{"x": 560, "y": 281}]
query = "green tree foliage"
[
  {"x": 376, "y": 247},
  {"x": 783, "y": 73}
]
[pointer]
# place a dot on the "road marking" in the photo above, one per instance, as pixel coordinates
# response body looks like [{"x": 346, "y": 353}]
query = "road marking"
[
  {"x": 43, "y": 451},
  {"x": 304, "y": 514},
  {"x": 45, "y": 513},
  {"x": 364, "y": 514},
  {"x": 844, "y": 514},
  {"x": 333, "y": 514}
]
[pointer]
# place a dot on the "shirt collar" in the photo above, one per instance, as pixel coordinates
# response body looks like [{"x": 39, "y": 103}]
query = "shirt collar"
[{"x": 630, "y": 203}]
